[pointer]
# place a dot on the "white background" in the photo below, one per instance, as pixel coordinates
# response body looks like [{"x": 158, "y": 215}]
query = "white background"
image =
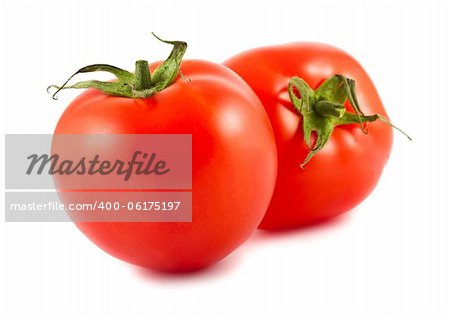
[{"x": 388, "y": 256}]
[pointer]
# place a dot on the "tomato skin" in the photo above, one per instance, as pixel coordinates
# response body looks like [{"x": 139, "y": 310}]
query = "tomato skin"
[
  {"x": 230, "y": 130},
  {"x": 348, "y": 168}
]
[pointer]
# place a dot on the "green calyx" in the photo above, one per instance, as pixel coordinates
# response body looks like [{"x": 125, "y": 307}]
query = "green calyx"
[
  {"x": 141, "y": 83},
  {"x": 323, "y": 109}
]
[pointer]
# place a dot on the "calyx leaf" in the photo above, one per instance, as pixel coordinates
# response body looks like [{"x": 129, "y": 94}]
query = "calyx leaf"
[
  {"x": 140, "y": 84},
  {"x": 323, "y": 109}
]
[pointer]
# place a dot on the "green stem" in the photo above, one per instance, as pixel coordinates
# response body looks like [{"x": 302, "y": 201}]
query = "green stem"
[
  {"x": 330, "y": 109},
  {"x": 141, "y": 84},
  {"x": 323, "y": 110},
  {"x": 142, "y": 76}
]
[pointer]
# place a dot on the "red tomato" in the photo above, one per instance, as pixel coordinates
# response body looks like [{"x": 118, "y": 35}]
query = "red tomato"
[
  {"x": 348, "y": 167},
  {"x": 233, "y": 169}
]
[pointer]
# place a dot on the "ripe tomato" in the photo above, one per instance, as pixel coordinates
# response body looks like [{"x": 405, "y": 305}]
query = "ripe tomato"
[
  {"x": 233, "y": 162},
  {"x": 319, "y": 127}
]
